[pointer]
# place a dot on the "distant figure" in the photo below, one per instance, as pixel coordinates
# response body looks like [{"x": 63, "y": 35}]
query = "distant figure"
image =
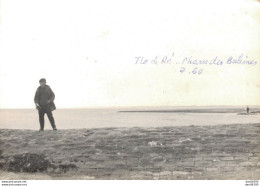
[
  {"x": 247, "y": 110},
  {"x": 43, "y": 100}
]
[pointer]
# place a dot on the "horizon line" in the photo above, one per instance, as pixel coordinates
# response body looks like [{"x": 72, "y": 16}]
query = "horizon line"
[{"x": 100, "y": 107}]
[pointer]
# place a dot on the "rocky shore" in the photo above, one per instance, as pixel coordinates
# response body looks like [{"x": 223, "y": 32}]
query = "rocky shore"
[{"x": 187, "y": 152}]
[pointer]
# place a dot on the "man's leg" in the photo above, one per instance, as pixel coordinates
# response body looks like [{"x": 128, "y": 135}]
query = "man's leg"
[
  {"x": 41, "y": 118},
  {"x": 51, "y": 119}
]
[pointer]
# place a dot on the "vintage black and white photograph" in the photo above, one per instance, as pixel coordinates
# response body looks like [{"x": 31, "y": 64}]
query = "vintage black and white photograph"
[{"x": 129, "y": 90}]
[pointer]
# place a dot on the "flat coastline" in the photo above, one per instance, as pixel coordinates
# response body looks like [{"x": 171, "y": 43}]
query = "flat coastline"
[{"x": 228, "y": 151}]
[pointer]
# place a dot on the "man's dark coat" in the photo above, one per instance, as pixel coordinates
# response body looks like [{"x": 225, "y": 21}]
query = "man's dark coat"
[{"x": 45, "y": 96}]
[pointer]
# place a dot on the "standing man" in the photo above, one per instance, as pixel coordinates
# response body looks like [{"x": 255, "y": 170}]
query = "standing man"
[{"x": 43, "y": 100}]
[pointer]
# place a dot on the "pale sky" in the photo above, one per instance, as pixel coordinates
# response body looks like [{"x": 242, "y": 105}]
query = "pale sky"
[{"x": 86, "y": 50}]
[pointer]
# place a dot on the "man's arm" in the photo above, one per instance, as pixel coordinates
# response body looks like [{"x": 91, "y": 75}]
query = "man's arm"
[
  {"x": 52, "y": 96},
  {"x": 36, "y": 97}
]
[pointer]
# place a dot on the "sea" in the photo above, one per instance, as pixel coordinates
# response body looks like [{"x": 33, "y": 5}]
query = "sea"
[{"x": 128, "y": 117}]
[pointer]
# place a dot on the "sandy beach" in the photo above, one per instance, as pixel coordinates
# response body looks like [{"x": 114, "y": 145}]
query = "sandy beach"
[
  {"x": 178, "y": 152},
  {"x": 129, "y": 117}
]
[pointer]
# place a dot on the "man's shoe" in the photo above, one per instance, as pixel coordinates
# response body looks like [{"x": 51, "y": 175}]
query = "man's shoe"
[
  {"x": 54, "y": 129},
  {"x": 41, "y": 130}
]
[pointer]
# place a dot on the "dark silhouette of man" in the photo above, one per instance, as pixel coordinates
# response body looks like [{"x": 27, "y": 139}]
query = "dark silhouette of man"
[
  {"x": 247, "y": 110},
  {"x": 43, "y": 100}
]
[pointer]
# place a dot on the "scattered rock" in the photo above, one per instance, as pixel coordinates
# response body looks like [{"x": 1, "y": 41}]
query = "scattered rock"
[
  {"x": 68, "y": 167},
  {"x": 27, "y": 163}
]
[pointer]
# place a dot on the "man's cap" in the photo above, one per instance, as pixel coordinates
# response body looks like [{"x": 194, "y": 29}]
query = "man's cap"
[{"x": 42, "y": 80}]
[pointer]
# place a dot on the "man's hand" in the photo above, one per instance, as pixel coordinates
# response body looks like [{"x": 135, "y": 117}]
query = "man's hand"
[{"x": 37, "y": 106}]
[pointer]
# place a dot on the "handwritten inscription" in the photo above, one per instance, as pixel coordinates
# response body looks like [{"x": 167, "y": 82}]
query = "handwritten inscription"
[
  {"x": 216, "y": 61},
  {"x": 191, "y": 61},
  {"x": 156, "y": 60},
  {"x": 194, "y": 71}
]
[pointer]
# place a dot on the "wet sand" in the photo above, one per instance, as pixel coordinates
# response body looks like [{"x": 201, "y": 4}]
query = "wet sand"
[{"x": 103, "y": 118}]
